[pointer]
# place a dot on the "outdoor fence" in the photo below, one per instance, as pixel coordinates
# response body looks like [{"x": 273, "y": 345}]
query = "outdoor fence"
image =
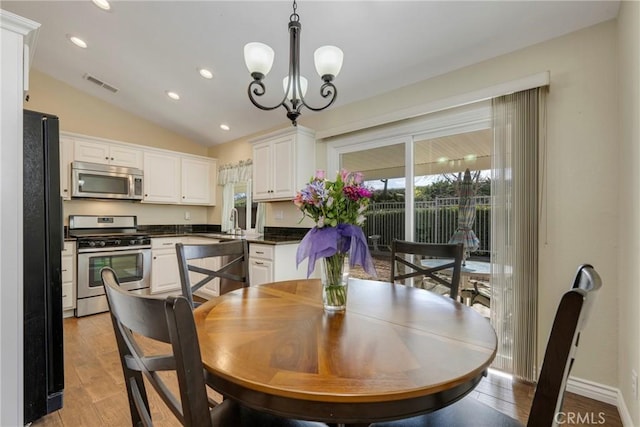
[{"x": 436, "y": 221}]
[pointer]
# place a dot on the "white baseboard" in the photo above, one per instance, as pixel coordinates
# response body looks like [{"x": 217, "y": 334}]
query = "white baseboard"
[
  {"x": 592, "y": 390},
  {"x": 601, "y": 393}
]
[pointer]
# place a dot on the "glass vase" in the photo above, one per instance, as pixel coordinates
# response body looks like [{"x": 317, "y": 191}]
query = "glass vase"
[{"x": 334, "y": 273}]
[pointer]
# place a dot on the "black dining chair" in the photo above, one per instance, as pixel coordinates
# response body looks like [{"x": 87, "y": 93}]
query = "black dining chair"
[
  {"x": 232, "y": 270},
  {"x": 571, "y": 316},
  {"x": 443, "y": 273},
  {"x": 170, "y": 321}
]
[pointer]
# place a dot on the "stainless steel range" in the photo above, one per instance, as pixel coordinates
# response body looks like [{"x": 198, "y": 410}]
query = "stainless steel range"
[{"x": 108, "y": 241}]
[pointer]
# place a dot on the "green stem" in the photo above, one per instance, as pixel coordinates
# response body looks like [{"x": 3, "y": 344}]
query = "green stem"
[{"x": 335, "y": 291}]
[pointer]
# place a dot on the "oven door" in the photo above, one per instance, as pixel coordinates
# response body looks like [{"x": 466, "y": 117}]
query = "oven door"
[{"x": 132, "y": 266}]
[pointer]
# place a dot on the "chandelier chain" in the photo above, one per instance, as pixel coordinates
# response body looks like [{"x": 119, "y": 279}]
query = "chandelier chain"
[{"x": 294, "y": 17}]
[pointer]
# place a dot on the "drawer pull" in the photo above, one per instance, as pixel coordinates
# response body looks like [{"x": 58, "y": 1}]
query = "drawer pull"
[
  {"x": 260, "y": 252},
  {"x": 259, "y": 263},
  {"x": 167, "y": 244}
]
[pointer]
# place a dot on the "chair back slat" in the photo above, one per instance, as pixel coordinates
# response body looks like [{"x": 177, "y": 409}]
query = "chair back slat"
[
  {"x": 418, "y": 251},
  {"x": 233, "y": 271},
  {"x": 563, "y": 342}
]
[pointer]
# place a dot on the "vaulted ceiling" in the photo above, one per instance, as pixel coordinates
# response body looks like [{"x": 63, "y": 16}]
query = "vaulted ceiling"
[{"x": 145, "y": 48}]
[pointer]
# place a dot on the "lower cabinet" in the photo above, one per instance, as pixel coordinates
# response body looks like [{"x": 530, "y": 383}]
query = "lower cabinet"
[
  {"x": 165, "y": 275},
  {"x": 211, "y": 289},
  {"x": 273, "y": 263},
  {"x": 68, "y": 278},
  {"x": 164, "y": 265}
]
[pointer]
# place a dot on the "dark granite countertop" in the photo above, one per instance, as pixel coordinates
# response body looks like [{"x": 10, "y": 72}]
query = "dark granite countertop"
[{"x": 271, "y": 236}]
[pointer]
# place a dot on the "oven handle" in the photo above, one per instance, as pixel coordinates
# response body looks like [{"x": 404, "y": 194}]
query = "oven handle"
[{"x": 133, "y": 249}]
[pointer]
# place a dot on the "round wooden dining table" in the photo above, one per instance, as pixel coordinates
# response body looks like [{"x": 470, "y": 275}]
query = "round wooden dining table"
[{"x": 396, "y": 352}]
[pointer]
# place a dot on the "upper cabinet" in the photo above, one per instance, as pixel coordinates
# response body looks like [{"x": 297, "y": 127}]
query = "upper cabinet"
[
  {"x": 282, "y": 163},
  {"x": 107, "y": 153},
  {"x": 171, "y": 178},
  {"x": 199, "y": 178},
  {"x": 161, "y": 177}
]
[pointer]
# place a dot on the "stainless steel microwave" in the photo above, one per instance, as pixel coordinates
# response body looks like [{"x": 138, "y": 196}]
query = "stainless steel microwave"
[{"x": 98, "y": 181}]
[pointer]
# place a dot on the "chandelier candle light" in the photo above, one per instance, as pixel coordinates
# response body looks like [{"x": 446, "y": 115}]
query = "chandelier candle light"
[
  {"x": 259, "y": 59},
  {"x": 337, "y": 207}
]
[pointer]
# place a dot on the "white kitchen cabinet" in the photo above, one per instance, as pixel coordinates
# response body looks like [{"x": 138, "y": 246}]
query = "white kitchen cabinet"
[
  {"x": 164, "y": 265},
  {"x": 66, "y": 157},
  {"x": 273, "y": 263},
  {"x": 107, "y": 153},
  {"x": 260, "y": 264},
  {"x": 165, "y": 275},
  {"x": 282, "y": 163},
  {"x": 68, "y": 278},
  {"x": 198, "y": 181},
  {"x": 161, "y": 177},
  {"x": 211, "y": 289}
]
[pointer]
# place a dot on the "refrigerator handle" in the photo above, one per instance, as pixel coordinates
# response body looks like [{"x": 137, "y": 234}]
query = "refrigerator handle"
[{"x": 61, "y": 223}]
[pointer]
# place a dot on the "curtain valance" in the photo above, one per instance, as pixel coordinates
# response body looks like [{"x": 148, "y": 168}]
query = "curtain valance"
[{"x": 233, "y": 173}]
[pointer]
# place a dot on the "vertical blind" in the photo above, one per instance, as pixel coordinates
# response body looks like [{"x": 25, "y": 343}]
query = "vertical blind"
[{"x": 517, "y": 123}]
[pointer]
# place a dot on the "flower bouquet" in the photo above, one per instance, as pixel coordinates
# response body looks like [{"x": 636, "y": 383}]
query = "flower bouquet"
[{"x": 337, "y": 207}]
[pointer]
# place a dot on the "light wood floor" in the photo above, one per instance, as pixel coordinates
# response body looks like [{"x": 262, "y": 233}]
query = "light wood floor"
[{"x": 95, "y": 395}]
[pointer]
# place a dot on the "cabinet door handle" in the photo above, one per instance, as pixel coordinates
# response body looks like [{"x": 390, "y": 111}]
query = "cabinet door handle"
[
  {"x": 167, "y": 244},
  {"x": 155, "y": 257},
  {"x": 112, "y": 158},
  {"x": 106, "y": 158},
  {"x": 259, "y": 262},
  {"x": 64, "y": 270},
  {"x": 260, "y": 252}
]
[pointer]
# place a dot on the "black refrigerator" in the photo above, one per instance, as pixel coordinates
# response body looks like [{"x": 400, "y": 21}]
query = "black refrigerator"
[{"x": 43, "y": 241}]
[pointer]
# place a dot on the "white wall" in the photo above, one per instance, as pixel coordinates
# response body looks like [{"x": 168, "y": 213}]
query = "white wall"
[
  {"x": 629, "y": 201},
  {"x": 579, "y": 214}
]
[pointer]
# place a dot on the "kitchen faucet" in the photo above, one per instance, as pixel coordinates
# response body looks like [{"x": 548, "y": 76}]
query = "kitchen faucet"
[{"x": 234, "y": 218}]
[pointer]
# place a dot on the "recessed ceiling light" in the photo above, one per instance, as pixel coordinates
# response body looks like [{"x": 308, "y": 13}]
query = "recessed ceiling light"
[
  {"x": 77, "y": 41},
  {"x": 205, "y": 73},
  {"x": 224, "y": 127},
  {"x": 102, "y": 4},
  {"x": 173, "y": 95},
  {"x": 470, "y": 157},
  {"x": 442, "y": 159}
]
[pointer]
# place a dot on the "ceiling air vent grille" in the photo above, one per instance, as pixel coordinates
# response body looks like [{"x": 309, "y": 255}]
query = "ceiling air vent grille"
[{"x": 100, "y": 83}]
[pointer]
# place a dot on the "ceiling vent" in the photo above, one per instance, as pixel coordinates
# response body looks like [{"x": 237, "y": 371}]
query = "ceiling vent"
[{"x": 100, "y": 83}]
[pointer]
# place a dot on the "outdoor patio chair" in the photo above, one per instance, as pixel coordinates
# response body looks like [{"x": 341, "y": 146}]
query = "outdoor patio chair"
[
  {"x": 170, "y": 321},
  {"x": 232, "y": 270},
  {"x": 440, "y": 263},
  {"x": 547, "y": 402}
]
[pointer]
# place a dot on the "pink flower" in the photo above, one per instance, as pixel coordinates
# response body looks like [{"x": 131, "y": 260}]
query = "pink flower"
[
  {"x": 320, "y": 174},
  {"x": 358, "y": 177},
  {"x": 344, "y": 174}
]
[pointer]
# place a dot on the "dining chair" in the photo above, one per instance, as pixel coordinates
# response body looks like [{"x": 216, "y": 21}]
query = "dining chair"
[
  {"x": 570, "y": 318},
  {"x": 449, "y": 257},
  {"x": 232, "y": 267},
  {"x": 170, "y": 321}
]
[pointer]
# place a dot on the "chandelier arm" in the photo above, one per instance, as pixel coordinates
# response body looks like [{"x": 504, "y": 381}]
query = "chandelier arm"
[
  {"x": 259, "y": 90},
  {"x": 328, "y": 89}
]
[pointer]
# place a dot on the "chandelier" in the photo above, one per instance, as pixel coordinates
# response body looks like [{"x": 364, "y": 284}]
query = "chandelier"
[{"x": 259, "y": 59}]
